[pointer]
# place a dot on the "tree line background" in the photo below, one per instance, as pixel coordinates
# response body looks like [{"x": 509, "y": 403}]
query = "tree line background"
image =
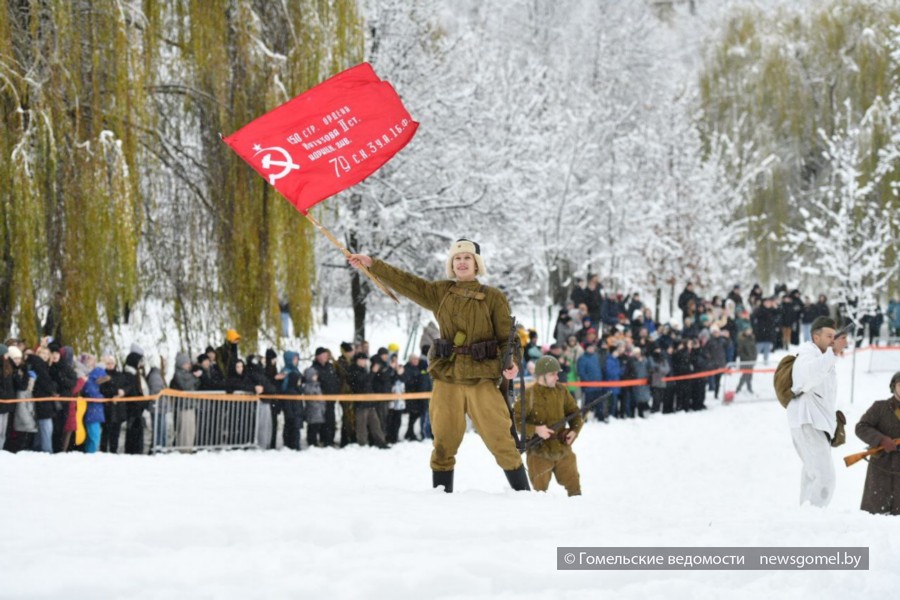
[{"x": 651, "y": 142}]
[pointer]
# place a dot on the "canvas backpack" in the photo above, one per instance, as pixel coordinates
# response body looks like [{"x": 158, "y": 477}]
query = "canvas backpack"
[{"x": 784, "y": 379}]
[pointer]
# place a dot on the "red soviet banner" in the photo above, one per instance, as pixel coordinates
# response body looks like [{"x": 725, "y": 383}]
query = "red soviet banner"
[{"x": 328, "y": 138}]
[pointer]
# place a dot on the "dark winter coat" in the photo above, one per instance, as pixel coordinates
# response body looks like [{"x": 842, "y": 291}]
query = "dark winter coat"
[
  {"x": 716, "y": 348},
  {"x": 881, "y": 494},
  {"x": 290, "y": 385},
  {"x": 610, "y": 311},
  {"x": 746, "y": 349},
  {"x": 240, "y": 383},
  {"x": 594, "y": 302},
  {"x": 790, "y": 312},
  {"x": 681, "y": 362},
  {"x": 44, "y": 387},
  {"x": 329, "y": 380},
  {"x": 226, "y": 356},
  {"x": 115, "y": 411},
  {"x": 135, "y": 385},
  {"x": 383, "y": 377},
  {"x": 10, "y": 384},
  {"x": 415, "y": 380},
  {"x": 685, "y": 297},
  {"x": 64, "y": 375},
  {"x": 700, "y": 360},
  {"x": 360, "y": 383},
  {"x": 659, "y": 368},
  {"x": 640, "y": 369},
  {"x": 765, "y": 323},
  {"x": 819, "y": 309}
]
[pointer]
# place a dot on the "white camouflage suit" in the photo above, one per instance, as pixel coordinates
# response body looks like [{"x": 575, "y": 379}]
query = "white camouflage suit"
[{"x": 812, "y": 415}]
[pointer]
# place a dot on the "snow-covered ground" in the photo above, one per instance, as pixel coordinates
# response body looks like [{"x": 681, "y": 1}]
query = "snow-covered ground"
[{"x": 365, "y": 523}]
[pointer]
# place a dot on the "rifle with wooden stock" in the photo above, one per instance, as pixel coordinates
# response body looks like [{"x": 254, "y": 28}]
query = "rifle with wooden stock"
[
  {"x": 506, "y": 386},
  {"x": 536, "y": 440},
  {"x": 855, "y": 458}
]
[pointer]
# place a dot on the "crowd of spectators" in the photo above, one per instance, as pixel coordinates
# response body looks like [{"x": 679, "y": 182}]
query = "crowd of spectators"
[{"x": 125, "y": 406}]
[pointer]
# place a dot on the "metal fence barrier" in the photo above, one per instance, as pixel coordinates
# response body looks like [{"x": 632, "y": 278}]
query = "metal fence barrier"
[{"x": 209, "y": 421}]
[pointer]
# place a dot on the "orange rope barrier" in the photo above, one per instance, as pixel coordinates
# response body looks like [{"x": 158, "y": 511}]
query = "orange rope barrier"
[{"x": 389, "y": 397}]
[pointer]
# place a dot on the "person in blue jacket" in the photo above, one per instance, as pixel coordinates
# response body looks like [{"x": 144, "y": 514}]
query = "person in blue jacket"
[{"x": 589, "y": 369}]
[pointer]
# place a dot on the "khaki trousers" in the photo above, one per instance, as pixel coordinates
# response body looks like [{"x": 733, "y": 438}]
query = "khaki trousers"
[
  {"x": 566, "y": 470},
  {"x": 450, "y": 403}
]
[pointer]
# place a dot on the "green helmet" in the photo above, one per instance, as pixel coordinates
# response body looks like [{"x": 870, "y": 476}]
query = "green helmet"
[{"x": 546, "y": 364}]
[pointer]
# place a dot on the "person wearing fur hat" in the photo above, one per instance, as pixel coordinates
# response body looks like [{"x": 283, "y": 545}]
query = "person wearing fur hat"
[
  {"x": 880, "y": 427},
  {"x": 546, "y": 403},
  {"x": 475, "y": 322}
]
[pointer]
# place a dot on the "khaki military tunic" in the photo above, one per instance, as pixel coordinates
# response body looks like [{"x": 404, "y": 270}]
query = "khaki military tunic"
[
  {"x": 547, "y": 406},
  {"x": 466, "y": 313}
]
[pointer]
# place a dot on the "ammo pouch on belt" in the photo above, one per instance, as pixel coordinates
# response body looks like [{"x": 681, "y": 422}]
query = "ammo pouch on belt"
[
  {"x": 479, "y": 351},
  {"x": 485, "y": 350},
  {"x": 442, "y": 348}
]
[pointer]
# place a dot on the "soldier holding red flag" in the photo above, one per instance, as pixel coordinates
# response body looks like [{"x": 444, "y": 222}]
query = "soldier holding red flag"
[{"x": 465, "y": 362}]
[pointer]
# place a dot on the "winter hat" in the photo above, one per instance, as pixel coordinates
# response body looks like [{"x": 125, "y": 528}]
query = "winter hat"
[
  {"x": 321, "y": 350},
  {"x": 232, "y": 336},
  {"x": 54, "y": 347},
  {"x": 346, "y": 347},
  {"x": 360, "y": 355},
  {"x": 137, "y": 349},
  {"x": 201, "y": 358},
  {"x": 463, "y": 245},
  {"x": 546, "y": 364},
  {"x": 270, "y": 354},
  {"x": 181, "y": 358},
  {"x": 3, "y": 350},
  {"x": 133, "y": 360},
  {"x": 14, "y": 352}
]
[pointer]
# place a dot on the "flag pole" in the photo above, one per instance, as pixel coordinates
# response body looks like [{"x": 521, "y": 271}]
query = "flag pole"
[{"x": 346, "y": 253}]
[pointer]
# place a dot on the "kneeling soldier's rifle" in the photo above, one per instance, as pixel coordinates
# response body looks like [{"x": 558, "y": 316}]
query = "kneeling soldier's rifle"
[
  {"x": 506, "y": 387},
  {"x": 536, "y": 440},
  {"x": 855, "y": 458}
]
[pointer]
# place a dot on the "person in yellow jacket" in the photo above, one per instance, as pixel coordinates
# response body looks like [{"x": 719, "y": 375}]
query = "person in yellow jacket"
[
  {"x": 550, "y": 402},
  {"x": 474, "y": 321}
]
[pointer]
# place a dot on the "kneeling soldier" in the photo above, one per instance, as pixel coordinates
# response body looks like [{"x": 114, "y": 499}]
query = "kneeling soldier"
[{"x": 549, "y": 402}]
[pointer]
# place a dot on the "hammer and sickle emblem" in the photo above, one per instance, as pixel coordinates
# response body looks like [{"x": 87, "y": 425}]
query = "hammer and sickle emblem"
[{"x": 286, "y": 163}]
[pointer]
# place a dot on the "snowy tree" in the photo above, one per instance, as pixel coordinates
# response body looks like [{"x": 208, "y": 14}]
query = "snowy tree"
[{"x": 844, "y": 237}]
